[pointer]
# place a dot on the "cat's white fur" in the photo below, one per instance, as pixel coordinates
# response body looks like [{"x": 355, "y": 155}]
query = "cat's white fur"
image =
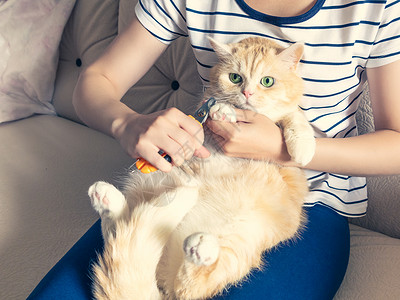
[{"x": 190, "y": 233}]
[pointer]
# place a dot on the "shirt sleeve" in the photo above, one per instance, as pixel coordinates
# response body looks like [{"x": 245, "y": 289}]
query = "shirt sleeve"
[
  {"x": 165, "y": 19},
  {"x": 386, "y": 47}
]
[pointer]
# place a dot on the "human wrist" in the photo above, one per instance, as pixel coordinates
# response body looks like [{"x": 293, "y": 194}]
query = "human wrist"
[{"x": 120, "y": 123}]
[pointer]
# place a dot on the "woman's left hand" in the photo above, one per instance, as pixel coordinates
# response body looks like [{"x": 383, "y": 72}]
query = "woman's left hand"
[{"x": 252, "y": 136}]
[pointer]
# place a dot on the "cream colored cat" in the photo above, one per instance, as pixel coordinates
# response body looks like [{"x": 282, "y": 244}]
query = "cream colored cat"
[{"x": 189, "y": 233}]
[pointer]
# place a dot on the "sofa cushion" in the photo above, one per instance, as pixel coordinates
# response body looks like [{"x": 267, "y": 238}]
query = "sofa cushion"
[
  {"x": 374, "y": 265},
  {"x": 172, "y": 82},
  {"x": 90, "y": 29},
  {"x": 47, "y": 165}
]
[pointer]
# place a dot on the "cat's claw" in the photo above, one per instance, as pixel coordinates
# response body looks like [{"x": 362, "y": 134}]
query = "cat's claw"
[
  {"x": 106, "y": 198},
  {"x": 201, "y": 249},
  {"x": 223, "y": 112}
]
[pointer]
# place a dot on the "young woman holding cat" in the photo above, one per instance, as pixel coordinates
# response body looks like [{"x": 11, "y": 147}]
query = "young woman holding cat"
[{"x": 346, "y": 44}]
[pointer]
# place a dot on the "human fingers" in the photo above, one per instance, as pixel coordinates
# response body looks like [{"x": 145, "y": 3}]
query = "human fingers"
[
  {"x": 224, "y": 135},
  {"x": 244, "y": 115},
  {"x": 186, "y": 132},
  {"x": 192, "y": 127},
  {"x": 182, "y": 136},
  {"x": 225, "y": 130},
  {"x": 151, "y": 154},
  {"x": 171, "y": 131},
  {"x": 146, "y": 135},
  {"x": 183, "y": 147},
  {"x": 252, "y": 136}
]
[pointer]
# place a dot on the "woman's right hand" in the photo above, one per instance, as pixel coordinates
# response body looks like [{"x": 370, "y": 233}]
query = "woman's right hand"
[
  {"x": 168, "y": 130},
  {"x": 101, "y": 86}
]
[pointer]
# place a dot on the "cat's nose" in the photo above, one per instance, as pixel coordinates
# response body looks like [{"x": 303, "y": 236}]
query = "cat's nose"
[{"x": 247, "y": 94}]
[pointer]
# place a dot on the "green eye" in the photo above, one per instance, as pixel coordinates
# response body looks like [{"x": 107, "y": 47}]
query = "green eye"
[
  {"x": 267, "y": 81},
  {"x": 235, "y": 78}
]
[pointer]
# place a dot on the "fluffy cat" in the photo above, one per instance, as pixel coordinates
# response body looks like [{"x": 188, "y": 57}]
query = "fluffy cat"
[{"x": 190, "y": 233}]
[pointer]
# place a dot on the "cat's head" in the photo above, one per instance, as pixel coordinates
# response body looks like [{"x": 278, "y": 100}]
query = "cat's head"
[{"x": 259, "y": 75}]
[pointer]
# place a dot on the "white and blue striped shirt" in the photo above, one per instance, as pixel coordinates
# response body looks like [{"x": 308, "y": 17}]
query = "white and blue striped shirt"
[{"x": 342, "y": 38}]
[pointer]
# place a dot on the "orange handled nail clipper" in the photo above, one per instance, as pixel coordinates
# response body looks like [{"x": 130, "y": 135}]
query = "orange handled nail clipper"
[{"x": 200, "y": 116}]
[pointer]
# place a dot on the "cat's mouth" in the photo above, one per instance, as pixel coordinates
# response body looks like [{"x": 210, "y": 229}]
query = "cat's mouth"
[
  {"x": 247, "y": 106},
  {"x": 243, "y": 103}
]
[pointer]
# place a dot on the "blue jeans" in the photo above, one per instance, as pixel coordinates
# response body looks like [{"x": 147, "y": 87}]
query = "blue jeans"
[{"x": 310, "y": 267}]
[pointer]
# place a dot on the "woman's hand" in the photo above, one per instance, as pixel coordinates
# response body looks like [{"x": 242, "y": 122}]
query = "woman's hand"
[
  {"x": 101, "y": 86},
  {"x": 252, "y": 136},
  {"x": 169, "y": 130}
]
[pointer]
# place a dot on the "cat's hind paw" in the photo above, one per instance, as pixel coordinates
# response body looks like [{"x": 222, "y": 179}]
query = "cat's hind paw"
[
  {"x": 223, "y": 112},
  {"x": 106, "y": 199},
  {"x": 201, "y": 249}
]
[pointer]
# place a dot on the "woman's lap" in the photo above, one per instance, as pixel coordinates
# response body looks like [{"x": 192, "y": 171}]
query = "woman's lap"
[{"x": 310, "y": 267}]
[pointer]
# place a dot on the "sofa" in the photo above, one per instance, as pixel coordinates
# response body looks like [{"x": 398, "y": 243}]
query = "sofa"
[{"x": 48, "y": 161}]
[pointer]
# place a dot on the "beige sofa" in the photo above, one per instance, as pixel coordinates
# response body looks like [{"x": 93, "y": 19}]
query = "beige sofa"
[{"x": 48, "y": 162}]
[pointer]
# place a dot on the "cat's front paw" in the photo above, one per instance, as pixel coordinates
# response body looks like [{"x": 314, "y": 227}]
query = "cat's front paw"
[
  {"x": 223, "y": 112},
  {"x": 106, "y": 198},
  {"x": 201, "y": 249},
  {"x": 301, "y": 148}
]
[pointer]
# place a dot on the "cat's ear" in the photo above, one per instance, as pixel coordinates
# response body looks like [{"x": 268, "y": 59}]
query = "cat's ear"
[
  {"x": 223, "y": 51},
  {"x": 292, "y": 55}
]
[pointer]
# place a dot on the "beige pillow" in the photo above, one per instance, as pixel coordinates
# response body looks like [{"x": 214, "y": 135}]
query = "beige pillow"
[{"x": 30, "y": 33}]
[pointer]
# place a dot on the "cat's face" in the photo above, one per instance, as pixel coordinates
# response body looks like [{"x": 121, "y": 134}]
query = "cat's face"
[{"x": 258, "y": 75}]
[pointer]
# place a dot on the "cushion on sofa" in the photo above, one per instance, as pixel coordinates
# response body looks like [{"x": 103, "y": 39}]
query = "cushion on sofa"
[
  {"x": 92, "y": 26},
  {"x": 30, "y": 34},
  {"x": 172, "y": 81},
  {"x": 373, "y": 271}
]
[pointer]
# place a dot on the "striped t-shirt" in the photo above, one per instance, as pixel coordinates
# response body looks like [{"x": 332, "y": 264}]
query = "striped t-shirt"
[{"x": 342, "y": 38}]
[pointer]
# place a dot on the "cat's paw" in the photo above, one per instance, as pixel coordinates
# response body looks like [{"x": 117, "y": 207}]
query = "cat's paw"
[
  {"x": 301, "y": 148},
  {"x": 106, "y": 198},
  {"x": 223, "y": 112},
  {"x": 201, "y": 249}
]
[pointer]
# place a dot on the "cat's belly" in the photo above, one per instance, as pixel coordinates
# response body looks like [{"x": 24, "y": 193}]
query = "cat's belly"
[{"x": 231, "y": 192}]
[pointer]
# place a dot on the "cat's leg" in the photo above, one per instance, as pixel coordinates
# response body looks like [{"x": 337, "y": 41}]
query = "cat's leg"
[
  {"x": 299, "y": 137},
  {"x": 109, "y": 202},
  {"x": 127, "y": 267},
  {"x": 212, "y": 263}
]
